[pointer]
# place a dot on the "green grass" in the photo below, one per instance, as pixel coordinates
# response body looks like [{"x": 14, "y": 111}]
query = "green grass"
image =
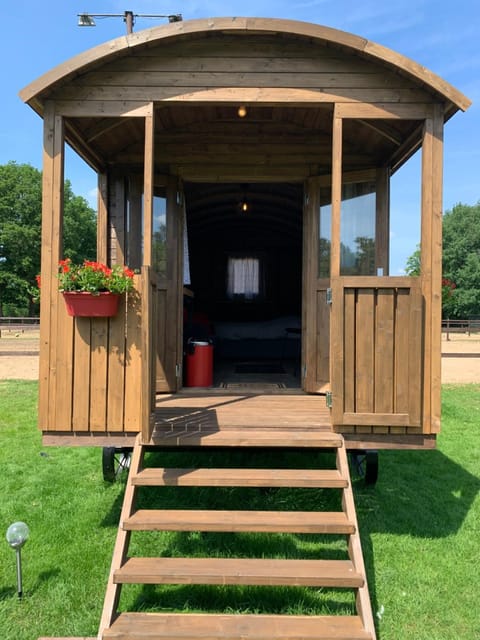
[{"x": 420, "y": 530}]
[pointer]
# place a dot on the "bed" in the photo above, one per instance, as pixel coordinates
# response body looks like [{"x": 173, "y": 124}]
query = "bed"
[{"x": 276, "y": 339}]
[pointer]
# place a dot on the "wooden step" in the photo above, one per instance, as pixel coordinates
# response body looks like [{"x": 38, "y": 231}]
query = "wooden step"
[
  {"x": 168, "y": 436},
  {"x": 171, "y": 626},
  {"x": 259, "y": 521},
  {"x": 245, "y": 571},
  {"x": 313, "y": 478}
]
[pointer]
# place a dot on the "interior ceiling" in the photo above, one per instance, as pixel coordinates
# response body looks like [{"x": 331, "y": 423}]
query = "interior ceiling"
[
  {"x": 280, "y": 137},
  {"x": 270, "y": 145},
  {"x": 272, "y": 209}
]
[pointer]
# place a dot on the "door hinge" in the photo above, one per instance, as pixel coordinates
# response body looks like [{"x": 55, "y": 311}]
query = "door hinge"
[
  {"x": 328, "y": 399},
  {"x": 329, "y": 295}
]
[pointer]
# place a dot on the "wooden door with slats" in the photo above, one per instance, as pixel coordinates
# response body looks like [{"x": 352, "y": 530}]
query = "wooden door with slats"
[
  {"x": 376, "y": 351},
  {"x": 316, "y": 310},
  {"x": 168, "y": 303}
]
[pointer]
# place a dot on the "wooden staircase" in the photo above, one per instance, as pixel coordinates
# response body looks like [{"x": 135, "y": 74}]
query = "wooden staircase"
[{"x": 341, "y": 574}]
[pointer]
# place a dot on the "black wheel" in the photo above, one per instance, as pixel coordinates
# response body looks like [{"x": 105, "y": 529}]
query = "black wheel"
[
  {"x": 114, "y": 462},
  {"x": 365, "y": 465}
]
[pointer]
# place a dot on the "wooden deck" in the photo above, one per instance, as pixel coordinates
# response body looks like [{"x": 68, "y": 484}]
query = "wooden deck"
[{"x": 211, "y": 418}]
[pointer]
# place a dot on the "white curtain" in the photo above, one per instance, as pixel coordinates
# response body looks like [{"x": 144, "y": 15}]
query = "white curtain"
[{"x": 243, "y": 277}]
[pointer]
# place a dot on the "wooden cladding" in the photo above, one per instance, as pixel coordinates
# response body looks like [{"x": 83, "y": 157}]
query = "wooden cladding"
[
  {"x": 377, "y": 329},
  {"x": 98, "y": 368}
]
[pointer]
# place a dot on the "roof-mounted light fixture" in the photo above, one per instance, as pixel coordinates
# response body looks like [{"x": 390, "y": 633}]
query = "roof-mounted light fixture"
[
  {"x": 87, "y": 19},
  {"x": 84, "y": 20}
]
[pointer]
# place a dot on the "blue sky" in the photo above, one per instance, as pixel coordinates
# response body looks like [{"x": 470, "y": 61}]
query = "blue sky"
[{"x": 441, "y": 35}]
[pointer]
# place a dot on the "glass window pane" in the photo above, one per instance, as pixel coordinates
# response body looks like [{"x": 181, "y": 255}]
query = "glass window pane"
[
  {"x": 159, "y": 248},
  {"x": 325, "y": 229},
  {"x": 357, "y": 229}
]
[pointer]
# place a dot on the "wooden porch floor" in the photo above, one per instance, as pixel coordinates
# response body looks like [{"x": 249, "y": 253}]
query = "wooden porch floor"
[{"x": 211, "y": 418}]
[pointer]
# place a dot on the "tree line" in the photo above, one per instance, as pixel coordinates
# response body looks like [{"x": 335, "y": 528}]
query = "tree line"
[
  {"x": 20, "y": 243},
  {"x": 460, "y": 262},
  {"x": 20, "y": 235}
]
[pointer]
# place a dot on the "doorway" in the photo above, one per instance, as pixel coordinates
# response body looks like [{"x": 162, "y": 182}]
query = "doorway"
[{"x": 245, "y": 292}]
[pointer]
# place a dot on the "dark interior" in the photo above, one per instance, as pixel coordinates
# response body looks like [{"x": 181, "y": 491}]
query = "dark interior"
[{"x": 262, "y": 221}]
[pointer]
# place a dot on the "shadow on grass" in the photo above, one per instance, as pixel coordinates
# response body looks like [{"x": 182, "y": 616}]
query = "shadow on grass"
[
  {"x": 7, "y": 592},
  {"x": 238, "y": 599},
  {"x": 44, "y": 576},
  {"x": 420, "y": 494}
]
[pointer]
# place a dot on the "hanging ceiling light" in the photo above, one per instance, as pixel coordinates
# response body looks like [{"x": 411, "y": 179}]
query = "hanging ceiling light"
[{"x": 244, "y": 204}]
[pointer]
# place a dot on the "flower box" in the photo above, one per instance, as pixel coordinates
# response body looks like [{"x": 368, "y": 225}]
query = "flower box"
[{"x": 89, "y": 305}]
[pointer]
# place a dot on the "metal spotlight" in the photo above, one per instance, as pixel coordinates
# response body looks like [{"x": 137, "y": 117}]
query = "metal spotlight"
[
  {"x": 17, "y": 535},
  {"x": 85, "y": 20}
]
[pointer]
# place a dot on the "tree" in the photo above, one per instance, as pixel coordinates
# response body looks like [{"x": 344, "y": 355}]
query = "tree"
[
  {"x": 413, "y": 263},
  {"x": 461, "y": 258},
  {"x": 20, "y": 234},
  {"x": 460, "y": 262}
]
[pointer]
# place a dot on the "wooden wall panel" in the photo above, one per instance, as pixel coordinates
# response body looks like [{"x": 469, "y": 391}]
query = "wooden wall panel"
[
  {"x": 99, "y": 374},
  {"x": 161, "y": 375},
  {"x": 365, "y": 353},
  {"x": 64, "y": 364},
  {"x": 81, "y": 375},
  {"x": 350, "y": 350},
  {"x": 323, "y": 341},
  {"x": 402, "y": 341},
  {"x": 384, "y": 351},
  {"x": 134, "y": 359},
  {"x": 116, "y": 374},
  {"x": 179, "y": 69}
]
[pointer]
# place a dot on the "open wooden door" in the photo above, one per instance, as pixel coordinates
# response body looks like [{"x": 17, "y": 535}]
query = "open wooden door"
[
  {"x": 376, "y": 351},
  {"x": 168, "y": 266},
  {"x": 316, "y": 309}
]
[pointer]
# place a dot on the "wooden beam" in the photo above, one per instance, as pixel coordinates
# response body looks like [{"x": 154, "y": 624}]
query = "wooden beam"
[
  {"x": 134, "y": 195},
  {"x": 382, "y": 220},
  {"x": 391, "y": 111},
  {"x": 96, "y": 108},
  {"x": 426, "y": 267},
  {"x": 102, "y": 218},
  {"x": 148, "y": 182},
  {"x": 337, "y": 133},
  {"x": 52, "y": 220},
  {"x": 437, "y": 207}
]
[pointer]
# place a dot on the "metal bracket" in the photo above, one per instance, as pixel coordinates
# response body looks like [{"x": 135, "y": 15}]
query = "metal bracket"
[
  {"x": 329, "y": 399},
  {"x": 329, "y": 296}
]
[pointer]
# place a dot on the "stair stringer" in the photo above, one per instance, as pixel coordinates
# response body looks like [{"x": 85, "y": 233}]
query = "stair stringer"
[
  {"x": 355, "y": 552},
  {"x": 113, "y": 591}
]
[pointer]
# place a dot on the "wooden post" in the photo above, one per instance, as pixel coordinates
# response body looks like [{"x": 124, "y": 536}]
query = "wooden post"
[
  {"x": 382, "y": 221},
  {"x": 336, "y": 194},
  {"x": 148, "y": 187},
  {"x": 102, "y": 218},
  {"x": 437, "y": 206},
  {"x": 135, "y": 188},
  {"x": 336, "y": 323},
  {"x": 431, "y": 264},
  {"x": 52, "y": 219},
  {"x": 148, "y": 320}
]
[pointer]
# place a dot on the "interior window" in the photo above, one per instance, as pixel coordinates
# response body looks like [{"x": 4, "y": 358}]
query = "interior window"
[{"x": 243, "y": 278}]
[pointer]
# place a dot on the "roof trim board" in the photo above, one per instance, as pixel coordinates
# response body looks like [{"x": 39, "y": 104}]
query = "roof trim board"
[{"x": 121, "y": 46}]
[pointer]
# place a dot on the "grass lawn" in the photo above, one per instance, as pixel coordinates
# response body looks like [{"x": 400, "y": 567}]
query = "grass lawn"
[{"x": 420, "y": 529}]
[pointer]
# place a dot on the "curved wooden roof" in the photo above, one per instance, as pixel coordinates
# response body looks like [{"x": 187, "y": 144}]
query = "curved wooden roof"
[{"x": 120, "y": 47}]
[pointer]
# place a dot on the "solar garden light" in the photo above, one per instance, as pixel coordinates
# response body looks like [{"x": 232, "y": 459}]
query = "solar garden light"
[{"x": 17, "y": 535}]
